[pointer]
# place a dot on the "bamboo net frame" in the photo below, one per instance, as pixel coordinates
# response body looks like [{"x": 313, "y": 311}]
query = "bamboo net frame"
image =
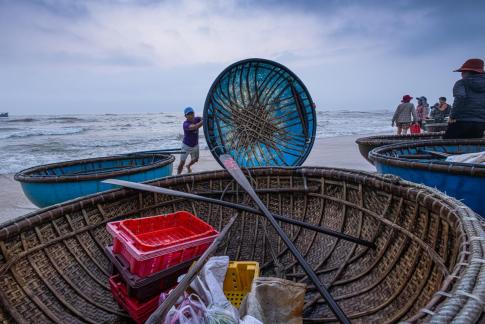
[{"x": 259, "y": 112}]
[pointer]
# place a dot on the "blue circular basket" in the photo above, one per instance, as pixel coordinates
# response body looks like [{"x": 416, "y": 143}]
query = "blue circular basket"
[{"x": 260, "y": 113}]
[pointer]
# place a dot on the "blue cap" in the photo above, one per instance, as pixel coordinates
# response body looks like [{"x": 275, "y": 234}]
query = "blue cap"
[{"x": 188, "y": 110}]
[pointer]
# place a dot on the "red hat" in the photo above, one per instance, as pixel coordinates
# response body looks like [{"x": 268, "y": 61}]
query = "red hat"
[
  {"x": 406, "y": 98},
  {"x": 475, "y": 65}
]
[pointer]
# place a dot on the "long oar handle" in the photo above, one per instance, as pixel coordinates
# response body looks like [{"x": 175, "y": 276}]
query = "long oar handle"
[
  {"x": 159, "y": 314},
  {"x": 181, "y": 194},
  {"x": 443, "y": 155},
  {"x": 235, "y": 171}
]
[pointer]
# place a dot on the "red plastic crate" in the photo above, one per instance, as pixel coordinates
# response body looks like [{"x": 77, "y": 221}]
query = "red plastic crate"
[
  {"x": 139, "y": 312},
  {"x": 162, "y": 231},
  {"x": 143, "y": 289},
  {"x": 153, "y": 244}
]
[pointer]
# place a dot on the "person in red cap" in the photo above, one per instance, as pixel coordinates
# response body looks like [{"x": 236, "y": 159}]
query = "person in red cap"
[
  {"x": 467, "y": 117},
  {"x": 402, "y": 116}
]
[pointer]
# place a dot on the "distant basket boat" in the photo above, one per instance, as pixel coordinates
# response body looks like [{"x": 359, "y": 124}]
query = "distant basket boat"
[
  {"x": 418, "y": 162},
  {"x": 367, "y": 144},
  {"x": 435, "y": 127},
  {"x": 427, "y": 265},
  {"x": 51, "y": 184},
  {"x": 3, "y": 114}
]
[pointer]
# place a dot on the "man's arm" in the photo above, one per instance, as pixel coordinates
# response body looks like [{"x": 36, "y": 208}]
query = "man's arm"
[
  {"x": 459, "y": 94},
  {"x": 196, "y": 125}
]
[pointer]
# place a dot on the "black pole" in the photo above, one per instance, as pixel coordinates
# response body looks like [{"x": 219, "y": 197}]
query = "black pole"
[
  {"x": 235, "y": 171},
  {"x": 181, "y": 194}
]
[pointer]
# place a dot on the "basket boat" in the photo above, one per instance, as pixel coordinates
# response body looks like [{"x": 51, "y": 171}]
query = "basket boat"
[
  {"x": 435, "y": 127},
  {"x": 260, "y": 113},
  {"x": 55, "y": 183},
  {"x": 427, "y": 264},
  {"x": 464, "y": 181},
  {"x": 367, "y": 144}
]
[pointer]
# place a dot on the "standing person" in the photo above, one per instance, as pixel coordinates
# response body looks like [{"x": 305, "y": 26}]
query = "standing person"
[
  {"x": 402, "y": 116},
  {"x": 441, "y": 110},
  {"x": 422, "y": 110},
  {"x": 467, "y": 117},
  {"x": 190, "y": 143}
]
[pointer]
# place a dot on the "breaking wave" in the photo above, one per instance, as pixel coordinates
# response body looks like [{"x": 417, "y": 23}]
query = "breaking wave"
[{"x": 45, "y": 132}]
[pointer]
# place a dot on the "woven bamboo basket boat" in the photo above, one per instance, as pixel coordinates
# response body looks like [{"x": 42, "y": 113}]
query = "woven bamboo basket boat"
[
  {"x": 367, "y": 144},
  {"x": 412, "y": 161},
  {"x": 428, "y": 264},
  {"x": 54, "y": 183},
  {"x": 260, "y": 113}
]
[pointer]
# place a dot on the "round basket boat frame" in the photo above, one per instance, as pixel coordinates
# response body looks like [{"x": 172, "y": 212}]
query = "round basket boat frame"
[
  {"x": 27, "y": 174},
  {"x": 218, "y": 150},
  {"x": 367, "y": 144},
  {"x": 76, "y": 229},
  {"x": 470, "y": 169}
]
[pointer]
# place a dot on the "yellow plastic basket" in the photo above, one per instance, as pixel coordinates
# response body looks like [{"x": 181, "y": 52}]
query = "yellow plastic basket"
[{"x": 239, "y": 278}]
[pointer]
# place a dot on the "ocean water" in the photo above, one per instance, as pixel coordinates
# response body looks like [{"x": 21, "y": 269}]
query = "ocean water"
[{"x": 26, "y": 141}]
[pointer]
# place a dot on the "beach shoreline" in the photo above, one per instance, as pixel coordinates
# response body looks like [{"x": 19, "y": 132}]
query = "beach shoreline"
[{"x": 339, "y": 152}]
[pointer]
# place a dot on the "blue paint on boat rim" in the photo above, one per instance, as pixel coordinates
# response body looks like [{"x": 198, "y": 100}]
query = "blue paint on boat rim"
[
  {"x": 50, "y": 184},
  {"x": 463, "y": 181}
]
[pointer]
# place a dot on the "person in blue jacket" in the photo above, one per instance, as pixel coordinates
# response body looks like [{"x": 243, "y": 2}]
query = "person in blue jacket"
[{"x": 467, "y": 118}]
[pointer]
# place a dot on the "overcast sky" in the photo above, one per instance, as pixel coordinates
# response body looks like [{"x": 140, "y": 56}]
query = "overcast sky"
[{"x": 122, "y": 56}]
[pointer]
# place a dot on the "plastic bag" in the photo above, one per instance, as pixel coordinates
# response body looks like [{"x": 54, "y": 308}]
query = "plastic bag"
[
  {"x": 208, "y": 285},
  {"x": 261, "y": 303},
  {"x": 475, "y": 157},
  {"x": 188, "y": 310}
]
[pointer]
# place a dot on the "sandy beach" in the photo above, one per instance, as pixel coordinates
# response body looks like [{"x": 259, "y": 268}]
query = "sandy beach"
[{"x": 341, "y": 152}]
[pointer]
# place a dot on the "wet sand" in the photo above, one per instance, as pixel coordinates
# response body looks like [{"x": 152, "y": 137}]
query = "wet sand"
[{"x": 339, "y": 152}]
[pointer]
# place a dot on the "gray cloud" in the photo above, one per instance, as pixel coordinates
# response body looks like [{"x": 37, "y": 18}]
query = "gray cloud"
[{"x": 354, "y": 54}]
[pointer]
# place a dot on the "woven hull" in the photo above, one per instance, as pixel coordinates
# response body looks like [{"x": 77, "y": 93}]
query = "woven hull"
[
  {"x": 465, "y": 182},
  {"x": 59, "y": 182},
  {"x": 367, "y": 144},
  {"x": 53, "y": 268}
]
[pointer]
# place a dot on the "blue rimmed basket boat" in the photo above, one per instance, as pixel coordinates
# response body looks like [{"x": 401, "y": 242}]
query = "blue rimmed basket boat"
[
  {"x": 367, "y": 144},
  {"x": 260, "y": 113},
  {"x": 54, "y": 183},
  {"x": 423, "y": 162}
]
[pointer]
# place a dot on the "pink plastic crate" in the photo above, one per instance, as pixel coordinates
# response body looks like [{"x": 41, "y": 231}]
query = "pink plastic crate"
[{"x": 170, "y": 241}]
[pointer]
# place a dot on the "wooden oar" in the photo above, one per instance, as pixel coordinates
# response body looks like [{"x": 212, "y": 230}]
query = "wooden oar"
[
  {"x": 233, "y": 168},
  {"x": 417, "y": 156},
  {"x": 443, "y": 155},
  {"x": 187, "y": 195},
  {"x": 164, "y": 151},
  {"x": 159, "y": 314}
]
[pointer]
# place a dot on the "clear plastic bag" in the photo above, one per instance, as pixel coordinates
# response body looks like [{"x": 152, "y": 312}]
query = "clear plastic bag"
[
  {"x": 208, "y": 285},
  {"x": 190, "y": 310}
]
